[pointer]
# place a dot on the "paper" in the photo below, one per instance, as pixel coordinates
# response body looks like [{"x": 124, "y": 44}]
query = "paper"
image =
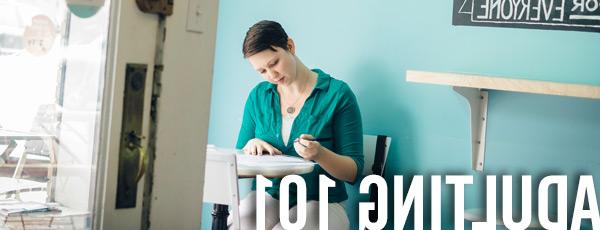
[
  {"x": 261, "y": 160},
  {"x": 268, "y": 160},
  {"x": 269, "y": 166}
]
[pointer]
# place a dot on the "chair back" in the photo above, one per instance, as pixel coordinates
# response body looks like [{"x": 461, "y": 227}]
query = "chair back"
[{"x": 371, "y": 143}]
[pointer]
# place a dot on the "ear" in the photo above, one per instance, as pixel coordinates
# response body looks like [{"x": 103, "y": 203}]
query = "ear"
[{"x": 291, "y": 46}]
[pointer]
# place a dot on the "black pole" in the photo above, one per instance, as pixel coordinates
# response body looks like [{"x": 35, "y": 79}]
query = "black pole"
[{"x": 220, "y": 213}]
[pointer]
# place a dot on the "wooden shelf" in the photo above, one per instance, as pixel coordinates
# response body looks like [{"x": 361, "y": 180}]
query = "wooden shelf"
[
  {"x": 504, "y": 84},
  {"x": 474, "y": 89}
]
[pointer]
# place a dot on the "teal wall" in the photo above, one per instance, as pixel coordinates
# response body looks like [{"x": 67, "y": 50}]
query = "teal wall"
[{"x": 371, "y": 44}]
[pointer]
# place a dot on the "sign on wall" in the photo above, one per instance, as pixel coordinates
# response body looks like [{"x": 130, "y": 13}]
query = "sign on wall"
[{"x": 580, "y": 15}]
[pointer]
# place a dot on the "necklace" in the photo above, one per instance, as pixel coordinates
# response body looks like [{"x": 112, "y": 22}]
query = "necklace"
[{"x": 291, "y": 109}]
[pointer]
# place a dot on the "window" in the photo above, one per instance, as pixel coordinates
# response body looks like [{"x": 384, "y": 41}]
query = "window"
[{"x": 51, "y": 84}]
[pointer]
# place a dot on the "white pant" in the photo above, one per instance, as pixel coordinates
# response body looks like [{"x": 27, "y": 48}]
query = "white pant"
[{"x": 338, "y": 220}]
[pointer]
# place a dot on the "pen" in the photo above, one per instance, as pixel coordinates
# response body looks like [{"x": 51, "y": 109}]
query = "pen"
[
  {"x": 316, "y": 139},
  {"x": 321, "y": 139}
]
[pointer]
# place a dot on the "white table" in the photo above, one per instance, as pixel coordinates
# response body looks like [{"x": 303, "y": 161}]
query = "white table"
[
  {"x": 251, "y": 166},
  {"x": 271, "y": 166}
]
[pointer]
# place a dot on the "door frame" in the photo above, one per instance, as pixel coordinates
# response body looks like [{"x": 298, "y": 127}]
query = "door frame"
[{"x": 182, "y": 135}]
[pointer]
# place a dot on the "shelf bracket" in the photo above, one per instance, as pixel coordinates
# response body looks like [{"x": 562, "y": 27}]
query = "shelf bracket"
[{"x": 478, "y": 103}]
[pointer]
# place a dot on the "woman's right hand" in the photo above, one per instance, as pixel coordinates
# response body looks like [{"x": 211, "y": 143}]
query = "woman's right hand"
[{"x": 257, "y": 147}]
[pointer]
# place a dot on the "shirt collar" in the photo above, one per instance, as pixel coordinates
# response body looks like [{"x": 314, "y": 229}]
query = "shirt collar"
[{"x": 323, "y": 80}]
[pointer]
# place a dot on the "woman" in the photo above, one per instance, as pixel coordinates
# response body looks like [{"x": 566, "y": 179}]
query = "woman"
[{"x": 286, "y": 114}]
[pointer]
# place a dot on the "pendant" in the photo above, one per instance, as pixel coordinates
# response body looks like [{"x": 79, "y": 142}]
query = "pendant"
[{"x": 290, "y": 110}]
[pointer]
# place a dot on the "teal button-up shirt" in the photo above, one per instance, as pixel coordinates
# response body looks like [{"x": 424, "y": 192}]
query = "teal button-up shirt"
[{"x": 330, "y": 111}]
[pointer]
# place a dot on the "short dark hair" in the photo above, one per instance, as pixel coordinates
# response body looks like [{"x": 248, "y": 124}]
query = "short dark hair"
[{"x": 264, "y": 35}]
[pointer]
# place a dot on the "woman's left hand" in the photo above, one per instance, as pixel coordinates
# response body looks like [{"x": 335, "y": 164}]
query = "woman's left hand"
[{"x": 308, "y": 149}]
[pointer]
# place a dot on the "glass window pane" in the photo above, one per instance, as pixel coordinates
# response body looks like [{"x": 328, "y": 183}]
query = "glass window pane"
[{"x": 51, "y": 83}]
